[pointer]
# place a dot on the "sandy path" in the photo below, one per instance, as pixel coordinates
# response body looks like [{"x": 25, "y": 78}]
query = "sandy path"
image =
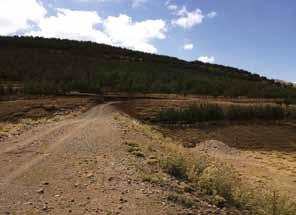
[{"x": 77, "y": 166}]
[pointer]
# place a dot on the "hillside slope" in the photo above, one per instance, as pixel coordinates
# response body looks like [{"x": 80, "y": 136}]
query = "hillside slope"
[{"x": 50, "y": 66}]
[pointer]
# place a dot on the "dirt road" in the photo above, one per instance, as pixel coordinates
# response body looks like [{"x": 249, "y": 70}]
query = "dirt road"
[{"x": 77, "y": 166}]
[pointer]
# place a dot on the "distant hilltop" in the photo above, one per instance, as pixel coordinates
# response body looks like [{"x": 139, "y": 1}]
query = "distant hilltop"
[{"x": 286, "y": 82}]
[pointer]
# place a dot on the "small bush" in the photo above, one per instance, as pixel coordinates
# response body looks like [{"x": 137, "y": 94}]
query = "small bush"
[
  {"x": 218, "y": 180},
  {"x": 134, "y": 149},
  {"x": 174, "y": 164}
]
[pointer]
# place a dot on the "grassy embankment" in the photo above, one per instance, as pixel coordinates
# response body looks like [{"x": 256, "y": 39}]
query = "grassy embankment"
[{"x": 216, "y": 181}]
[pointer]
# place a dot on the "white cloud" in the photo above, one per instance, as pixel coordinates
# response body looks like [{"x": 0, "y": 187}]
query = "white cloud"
[
  {"x": 207, "y": 59},
  {"x": 71, "y": 24},
  {"x": 16, "y": 15},
  {"x": 134, "y": 3},
  {"x": 188, "y": 46},
  {"x": 136, "y": 35},
  {"x": 29, "y": 17},
  {"x": 114, "y": 30},
  {"x": 188, "y": 19},
  {"x": 212, "y": 14}
]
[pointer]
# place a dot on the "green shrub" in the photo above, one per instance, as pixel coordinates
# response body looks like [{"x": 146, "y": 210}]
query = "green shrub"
[
  {"x": 220, "y": 181},
  {"x": 174, "y": 164},
  {"x": 210, "y": 112},
  {"x": 255, "y": 112},
  {"x": 289, "y": 101}
]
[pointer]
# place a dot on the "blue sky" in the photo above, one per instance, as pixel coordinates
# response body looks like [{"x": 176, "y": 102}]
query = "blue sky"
[{"x": 256, "y": 35}]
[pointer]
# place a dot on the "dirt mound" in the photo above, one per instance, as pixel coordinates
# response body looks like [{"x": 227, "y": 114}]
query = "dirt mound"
[{"x": 216, "y": 147}]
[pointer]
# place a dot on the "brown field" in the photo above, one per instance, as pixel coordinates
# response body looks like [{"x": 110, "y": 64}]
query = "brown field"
[
  {"x": 264, "y": 153},
  {"x": 145, "y": 108},
  {"x": 23, "y": 113}
]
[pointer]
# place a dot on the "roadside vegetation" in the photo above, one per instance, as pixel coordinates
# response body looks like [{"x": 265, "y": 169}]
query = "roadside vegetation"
[
  {"x": 216, "y": 182},
  {"x": 223, "y": 185},
  {"x": 206, "y": 177},
  {"x": 212, "y": 112}
]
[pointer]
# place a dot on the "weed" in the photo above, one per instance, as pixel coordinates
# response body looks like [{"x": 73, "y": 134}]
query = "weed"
[
  {"x": 138, "y": 154},
  {"x": 183, "y": 200},
  {"x": 153, "y": 178},
  {"x": 131, "y": 144},
  {"x": 134, "y": 149},
  {"x": 174, "y": 164}
]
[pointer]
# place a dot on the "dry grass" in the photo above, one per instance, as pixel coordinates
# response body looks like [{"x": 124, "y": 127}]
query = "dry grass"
[{"x": 219, "y": 182}]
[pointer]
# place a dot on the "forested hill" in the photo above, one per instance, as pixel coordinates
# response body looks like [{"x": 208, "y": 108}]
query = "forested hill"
[{"x": 53, "y": 66}]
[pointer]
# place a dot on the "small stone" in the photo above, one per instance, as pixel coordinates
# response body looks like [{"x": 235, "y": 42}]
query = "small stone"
[
  {"x": 123, "y": 200},
  {"x": 90, "y": 175},
  {"x": 28, "y": 203},
  {"x": 45, "y": 207},
  {"x": 40, "y": 191}
]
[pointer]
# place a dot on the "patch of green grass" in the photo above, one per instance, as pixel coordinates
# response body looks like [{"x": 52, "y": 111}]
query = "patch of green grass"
[
  {"x": 134, "y": 149},
  {"x": 154, "y": 177},
  {"x": 174, "y": 164},
  {"x": 138, "y": 154},
  {"x": 131, "y": 144},
  {"x": 182, "y": 200}
]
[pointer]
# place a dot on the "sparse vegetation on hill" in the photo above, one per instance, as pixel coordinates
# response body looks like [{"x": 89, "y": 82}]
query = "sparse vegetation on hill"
[{"x": 53, "y": 66}]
